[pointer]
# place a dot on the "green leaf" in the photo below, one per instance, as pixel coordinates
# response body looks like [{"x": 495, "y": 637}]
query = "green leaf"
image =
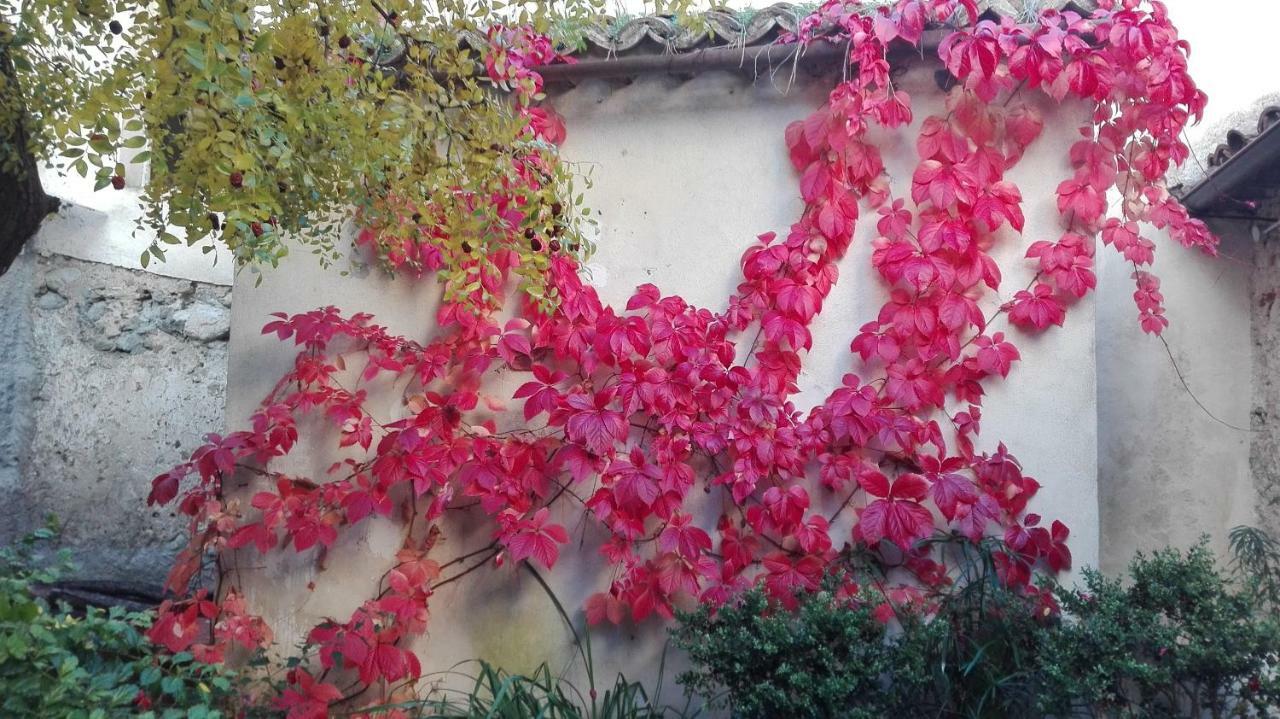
[
  {"x": 195, "y": 56},
  {"x": 198, "y": 25},
  {"x": 100, "y": 144},
  {"x": 17, "y": 646},
  {"x": 171, "y": 685}
]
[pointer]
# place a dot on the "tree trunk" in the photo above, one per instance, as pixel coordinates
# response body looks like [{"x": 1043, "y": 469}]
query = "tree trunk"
[{"x": 23, "y": 202}]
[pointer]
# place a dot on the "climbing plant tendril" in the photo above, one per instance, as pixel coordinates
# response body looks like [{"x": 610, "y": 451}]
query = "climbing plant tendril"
[{"x": 630, "y": 417}]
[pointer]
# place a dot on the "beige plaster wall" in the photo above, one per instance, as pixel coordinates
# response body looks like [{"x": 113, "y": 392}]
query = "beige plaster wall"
[
  {"x": 1168, "y": 471},
  {"x": 685, "y": 175}
]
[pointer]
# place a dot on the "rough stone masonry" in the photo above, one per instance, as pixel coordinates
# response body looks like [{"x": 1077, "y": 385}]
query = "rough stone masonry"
[{"x": 108, "y": 376}]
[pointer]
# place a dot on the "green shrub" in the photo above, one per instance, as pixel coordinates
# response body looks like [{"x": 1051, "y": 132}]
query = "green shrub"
[
  {"x": 826, "y": 658},
  {"x": 974, "y": 657},
  {"x": 1175, "y": 639},
  {"x": 58, "y": 663}
]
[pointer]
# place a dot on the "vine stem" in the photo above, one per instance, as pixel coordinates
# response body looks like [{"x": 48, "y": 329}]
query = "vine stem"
[{"x": 1187, "y": 387}]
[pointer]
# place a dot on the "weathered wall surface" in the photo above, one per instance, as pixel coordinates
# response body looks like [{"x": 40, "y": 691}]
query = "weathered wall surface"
[
  {"x": 1170, "y": 470},
  {"x": 110, "y": 376},
  {"x": 686, "y": 175},
  {"x": 1264, "y": 455}
]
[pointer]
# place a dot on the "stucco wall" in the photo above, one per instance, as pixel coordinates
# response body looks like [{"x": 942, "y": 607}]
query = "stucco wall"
[
  {"x": 1169, "y": 472},
  {"x": 686, "y": 175},
  {"x": 109, "y": 377}
]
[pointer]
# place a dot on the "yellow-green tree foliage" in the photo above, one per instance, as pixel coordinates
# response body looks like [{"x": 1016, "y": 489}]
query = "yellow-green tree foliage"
[{"x": 273, "y": 119}]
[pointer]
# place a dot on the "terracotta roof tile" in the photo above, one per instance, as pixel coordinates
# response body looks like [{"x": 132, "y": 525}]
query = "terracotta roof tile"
[
  {"x": 1241, "y": 176},
  {"x": 1237, "y": 140},
  {"x": 660, "y": 34}
]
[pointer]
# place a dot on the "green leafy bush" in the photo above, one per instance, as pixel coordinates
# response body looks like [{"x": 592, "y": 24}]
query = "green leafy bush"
[
  {"x": 1175, "y": 639},
  {"x": 827, "y": 658},
  {"x": 55, "y": 662}
]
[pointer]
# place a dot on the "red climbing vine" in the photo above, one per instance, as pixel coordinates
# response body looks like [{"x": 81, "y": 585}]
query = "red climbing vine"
[{"x": 629, "y": 416}]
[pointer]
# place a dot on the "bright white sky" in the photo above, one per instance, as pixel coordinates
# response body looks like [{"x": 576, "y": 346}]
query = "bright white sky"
[
  {"x": 1235, "y": 56},
  {"x": 1235, "y": 48}
]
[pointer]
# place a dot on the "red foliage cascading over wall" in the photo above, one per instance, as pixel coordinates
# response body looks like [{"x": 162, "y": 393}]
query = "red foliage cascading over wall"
[{"x": 639, "y": 408}]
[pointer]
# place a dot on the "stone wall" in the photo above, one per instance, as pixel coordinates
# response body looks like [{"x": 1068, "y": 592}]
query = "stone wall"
[
  {"x": 110, "y": 375},
  {"x": 1264, "y": 454}
]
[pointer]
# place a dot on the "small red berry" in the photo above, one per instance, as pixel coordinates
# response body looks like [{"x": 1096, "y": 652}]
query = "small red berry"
[
  {"x": 557, "y": 208},
  {"x": 237, "y": 179},
  {"x": 555, "y": 245},
  {"x": 117, "y": 182},
  {"x": 256, "y": 227},
  {"x": 535, "y": 244}
]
